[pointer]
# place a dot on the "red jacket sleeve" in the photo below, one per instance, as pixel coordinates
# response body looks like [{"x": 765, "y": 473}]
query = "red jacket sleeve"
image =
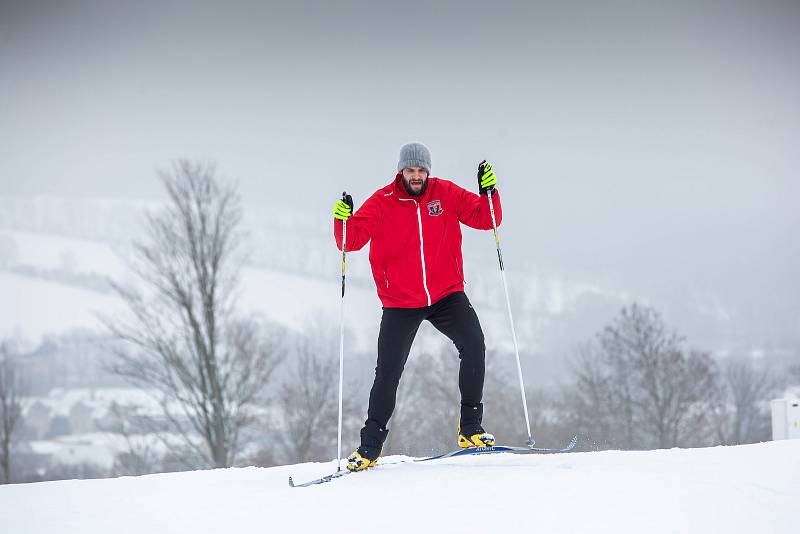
[
  {"x": 360, "y": 227},
  {"x": 474, "y": 211}
]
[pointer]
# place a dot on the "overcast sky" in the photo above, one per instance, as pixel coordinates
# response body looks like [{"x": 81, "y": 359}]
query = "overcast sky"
[{"x": 650, "y": 146}]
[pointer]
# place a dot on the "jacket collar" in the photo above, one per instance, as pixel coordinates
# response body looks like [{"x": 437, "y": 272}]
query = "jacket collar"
[{"x": 400, "y": 190}]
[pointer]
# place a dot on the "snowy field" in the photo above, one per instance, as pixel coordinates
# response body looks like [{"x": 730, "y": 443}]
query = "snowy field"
[
  {"x": 31, "y": 308},
  {"x": 747, "y": 489}
]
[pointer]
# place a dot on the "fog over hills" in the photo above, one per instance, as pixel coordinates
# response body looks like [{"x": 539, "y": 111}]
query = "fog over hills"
[{"x": 648, "y": 150}]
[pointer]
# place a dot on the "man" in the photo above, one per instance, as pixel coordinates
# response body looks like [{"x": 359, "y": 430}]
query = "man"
[{"x": 415, "y": 254}]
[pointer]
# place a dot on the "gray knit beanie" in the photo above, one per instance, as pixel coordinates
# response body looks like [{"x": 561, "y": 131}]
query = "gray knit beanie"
[{"x": 414, "y": 155}]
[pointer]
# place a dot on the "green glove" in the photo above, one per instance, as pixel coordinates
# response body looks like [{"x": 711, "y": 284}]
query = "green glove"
[
  {"x": 486, "y": 177},
  {"x": 343, "y": 208}
]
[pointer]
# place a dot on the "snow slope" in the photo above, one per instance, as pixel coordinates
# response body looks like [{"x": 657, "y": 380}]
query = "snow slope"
[{"x": 751, "y": 488}]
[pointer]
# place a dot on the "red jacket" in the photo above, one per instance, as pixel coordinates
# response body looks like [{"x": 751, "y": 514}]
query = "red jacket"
[{"x": 416, "y": 241}]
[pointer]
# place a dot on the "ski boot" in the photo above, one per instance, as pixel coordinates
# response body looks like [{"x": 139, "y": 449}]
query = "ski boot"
[
  {"x": 372, "y": 438},
  {"x": 362, "y": 458},
  {"x": 470, "y": 432}
]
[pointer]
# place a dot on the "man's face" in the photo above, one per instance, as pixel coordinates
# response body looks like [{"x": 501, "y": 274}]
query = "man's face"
[{"x": 414, "y": 179}]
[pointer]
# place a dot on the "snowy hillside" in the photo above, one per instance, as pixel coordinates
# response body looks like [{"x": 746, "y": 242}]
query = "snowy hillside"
[
  {"x": 43, "y": 294},
  {"x": 54, "y": 276},
  {"x": 751, "y": 488}
]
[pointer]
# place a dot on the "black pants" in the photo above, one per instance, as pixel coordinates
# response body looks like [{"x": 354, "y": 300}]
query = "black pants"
[{"x": 454, "y": 317}]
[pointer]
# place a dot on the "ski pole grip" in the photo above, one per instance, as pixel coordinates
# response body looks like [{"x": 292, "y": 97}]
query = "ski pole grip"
[{"x": 347, "y": 199}]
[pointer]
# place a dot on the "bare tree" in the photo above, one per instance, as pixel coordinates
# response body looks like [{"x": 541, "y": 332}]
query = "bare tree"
[
  {"x": 141, "y": 455},
  {"x": 589, "y": 409},
  {"x": 183, "y": 339},
  {"x": 638, "y": 388},
  {"x": 309, "y": 397},
  {"x": 742, "y": 417},
  {"x": 10, "y": 409}
]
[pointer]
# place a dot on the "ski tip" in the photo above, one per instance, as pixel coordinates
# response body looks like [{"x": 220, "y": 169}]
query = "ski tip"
[{"x": 573, "y": 442}]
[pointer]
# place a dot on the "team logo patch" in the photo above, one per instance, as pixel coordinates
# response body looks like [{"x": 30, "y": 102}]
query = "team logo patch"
[{"x": 434, "y": 207}]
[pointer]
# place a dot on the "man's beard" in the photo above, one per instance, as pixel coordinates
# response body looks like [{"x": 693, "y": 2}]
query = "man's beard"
[{"x": 407, "y": 185}]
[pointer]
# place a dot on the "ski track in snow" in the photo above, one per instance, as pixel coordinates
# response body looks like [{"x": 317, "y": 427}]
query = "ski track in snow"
[{"x": 749, "y": 488}]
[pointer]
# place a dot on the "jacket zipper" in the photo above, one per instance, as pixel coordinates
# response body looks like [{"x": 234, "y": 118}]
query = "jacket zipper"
[{"x": 422, "y": 253}]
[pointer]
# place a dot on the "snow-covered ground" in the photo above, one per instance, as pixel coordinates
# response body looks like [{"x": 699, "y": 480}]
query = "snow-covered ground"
[{"x": 748, "y": 489}]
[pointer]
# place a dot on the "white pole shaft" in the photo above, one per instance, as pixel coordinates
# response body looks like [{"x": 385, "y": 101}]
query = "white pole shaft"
[
  {"x": 510, "y": 320},
  {"x": 341, "y": 351}
]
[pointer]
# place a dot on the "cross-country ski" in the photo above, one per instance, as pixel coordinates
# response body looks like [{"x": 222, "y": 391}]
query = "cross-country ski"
[{"x": 496, "y": 449}]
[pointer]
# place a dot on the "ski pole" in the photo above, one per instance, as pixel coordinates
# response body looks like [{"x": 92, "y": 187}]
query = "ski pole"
[
  {"x": 341, "y": 342},
  {"x": 510, "y": 319}
]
